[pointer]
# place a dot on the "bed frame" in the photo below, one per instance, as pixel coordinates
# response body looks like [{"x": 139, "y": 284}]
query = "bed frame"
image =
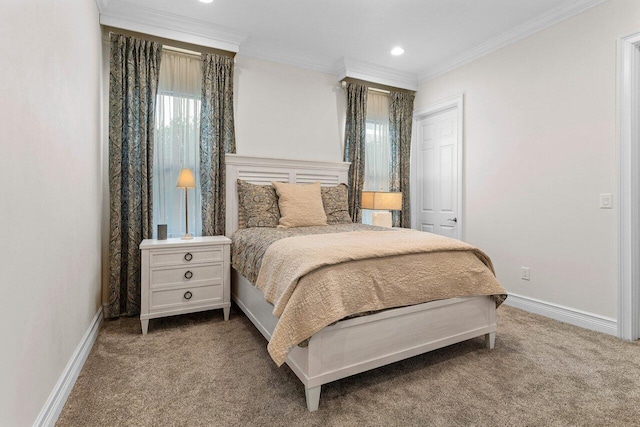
[{"x": 359, "y": 344}]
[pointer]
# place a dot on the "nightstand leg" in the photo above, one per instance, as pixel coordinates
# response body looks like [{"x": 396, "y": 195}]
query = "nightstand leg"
[
  {"x": 145, "y": 326},
  {"x": 490, "y": 340},
  {"x": 226, "y": 312}
]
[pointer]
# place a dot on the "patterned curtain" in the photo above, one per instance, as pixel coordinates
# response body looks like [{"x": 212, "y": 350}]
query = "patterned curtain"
[
  {"x": 400, "y": 121},
  {"x": 133, "y": 84},
  {"x": 354, "y": 145},
  {"x": 217, "y": 137}
]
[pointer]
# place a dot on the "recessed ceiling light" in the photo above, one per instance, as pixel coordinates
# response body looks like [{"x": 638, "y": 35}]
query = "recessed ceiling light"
[
  {"x": 395, "y": 51},
  {"x": 206, "y": 1}
]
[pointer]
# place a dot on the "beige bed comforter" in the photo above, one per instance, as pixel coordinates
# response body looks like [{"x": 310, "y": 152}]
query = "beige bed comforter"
[{"x": 315, "y": 280}]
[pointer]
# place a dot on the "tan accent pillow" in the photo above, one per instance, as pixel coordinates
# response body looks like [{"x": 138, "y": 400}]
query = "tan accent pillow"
[{"x": 300, "y": 205}]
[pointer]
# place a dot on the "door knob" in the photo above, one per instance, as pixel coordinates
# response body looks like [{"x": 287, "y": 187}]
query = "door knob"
[{"x": 453, "y": 220}]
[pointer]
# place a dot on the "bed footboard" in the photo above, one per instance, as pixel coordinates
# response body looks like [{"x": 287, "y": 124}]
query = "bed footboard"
[{"x": 356, "y": 345}]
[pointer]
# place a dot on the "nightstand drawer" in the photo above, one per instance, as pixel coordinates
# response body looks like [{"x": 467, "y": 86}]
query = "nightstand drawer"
[
  {"x": 185, "y": 256},
  {"x": 185, "y": 275},
  {"x": 162, "y": 299}
]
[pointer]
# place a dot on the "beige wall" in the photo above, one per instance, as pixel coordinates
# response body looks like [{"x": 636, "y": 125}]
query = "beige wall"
[
  {"x": 50, "y": 169},
  {"x": 540, "y": 146},
  {"x": 287, "y": 112}
]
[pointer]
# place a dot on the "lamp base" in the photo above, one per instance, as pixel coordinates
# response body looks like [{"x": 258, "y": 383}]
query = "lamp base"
[
  {"x": 382, "y": 219},
  {"x": 187, "y": 237}
]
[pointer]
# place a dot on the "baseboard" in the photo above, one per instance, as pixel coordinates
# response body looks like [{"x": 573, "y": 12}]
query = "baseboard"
[
  {"x": 58, "y": 397},
  {"x": 575, "y": 317}
]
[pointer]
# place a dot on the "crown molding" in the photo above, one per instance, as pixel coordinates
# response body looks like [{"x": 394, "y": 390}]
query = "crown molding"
[
  {"x": 273, "y": 54},
  {"x": 102, "y": 5},
  {"x": 546, "y": 20},
  {"x": 120, "y": 14},
  {"x": 345, "y": 67},
  {"x": 361, "y": 70}
]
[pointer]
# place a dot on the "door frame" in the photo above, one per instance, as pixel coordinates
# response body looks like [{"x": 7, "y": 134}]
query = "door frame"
[
  {"x": 457, "y": 103},
  {"x": 628, "y": 101}
]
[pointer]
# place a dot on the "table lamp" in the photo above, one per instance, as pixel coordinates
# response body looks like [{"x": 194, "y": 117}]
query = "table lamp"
[
  {"x": 382, "y": 200},
  {"x": 186, "y": 180}
]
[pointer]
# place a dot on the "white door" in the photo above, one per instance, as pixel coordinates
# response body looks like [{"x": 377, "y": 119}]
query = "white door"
[{"x": 438, "y": 174}]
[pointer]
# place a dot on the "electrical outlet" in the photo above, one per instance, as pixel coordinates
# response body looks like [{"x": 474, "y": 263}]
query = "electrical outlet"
[{"x": 526, "y": 273}]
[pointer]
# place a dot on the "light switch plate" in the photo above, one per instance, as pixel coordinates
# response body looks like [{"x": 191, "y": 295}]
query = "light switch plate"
[{"x": 606, "y": 201}]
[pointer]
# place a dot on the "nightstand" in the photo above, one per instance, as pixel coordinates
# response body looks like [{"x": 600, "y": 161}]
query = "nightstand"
[{"x": 184, "y": 276}]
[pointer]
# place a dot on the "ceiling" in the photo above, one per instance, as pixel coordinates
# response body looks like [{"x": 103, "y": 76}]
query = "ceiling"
[{"x": 435, "y": 34}]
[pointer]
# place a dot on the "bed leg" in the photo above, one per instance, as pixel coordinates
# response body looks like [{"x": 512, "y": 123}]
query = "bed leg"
[
  {"x": 490, "y": 340},
  {"x": 313, "y": 397}
]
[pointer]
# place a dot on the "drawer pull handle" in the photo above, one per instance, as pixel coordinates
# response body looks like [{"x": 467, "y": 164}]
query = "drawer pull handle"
[
  {"x": 188, "y": 295},
  {"x": 188, "y": 257},
  {"x": 188, "y": 275}
]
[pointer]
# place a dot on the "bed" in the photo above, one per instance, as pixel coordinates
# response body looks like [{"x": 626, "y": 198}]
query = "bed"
[{"x": 354, "y": 344}]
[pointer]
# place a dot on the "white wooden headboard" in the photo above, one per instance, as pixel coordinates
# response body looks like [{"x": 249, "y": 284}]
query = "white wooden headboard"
[{"x": 261, "y": 171}]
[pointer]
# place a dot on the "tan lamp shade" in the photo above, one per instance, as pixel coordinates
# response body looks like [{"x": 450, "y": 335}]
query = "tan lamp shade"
[
  {"x": 381, "y": 200},
  {"x": 186, "y": 179}
]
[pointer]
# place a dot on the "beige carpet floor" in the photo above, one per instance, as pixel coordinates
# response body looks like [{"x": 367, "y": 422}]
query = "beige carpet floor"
[{"x": 197, "y": 370}]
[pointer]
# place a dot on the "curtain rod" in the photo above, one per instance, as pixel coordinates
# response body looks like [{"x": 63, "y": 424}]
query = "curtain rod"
[
  {"x": 171, "y": 43},
  {"x": 343, "y": 85},
  {"x": 375, "y": 89},
  {"x": 182, "y": 51},
  {"x": 375, "y": 86}
]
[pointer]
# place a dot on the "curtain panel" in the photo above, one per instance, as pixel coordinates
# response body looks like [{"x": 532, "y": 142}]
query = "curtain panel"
[
  {"x": 177, "y": 142},
  {"x": 133, "y": 84},
  {"x": 354, "y": 145},
  {"x": 217, "y": 137},
  {"x": 400, "y": 122}
]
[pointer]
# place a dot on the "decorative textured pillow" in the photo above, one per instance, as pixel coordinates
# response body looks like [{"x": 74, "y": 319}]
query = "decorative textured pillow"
[
  {"x": 300, "y": 205},
  {"x": 257, "y": 205},
  {"x": 336, "y": 204}
]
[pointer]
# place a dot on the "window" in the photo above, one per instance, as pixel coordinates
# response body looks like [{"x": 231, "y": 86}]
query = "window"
[
  {"x": 377, "y": 148},
  {"x": 177, "y": 142}
]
